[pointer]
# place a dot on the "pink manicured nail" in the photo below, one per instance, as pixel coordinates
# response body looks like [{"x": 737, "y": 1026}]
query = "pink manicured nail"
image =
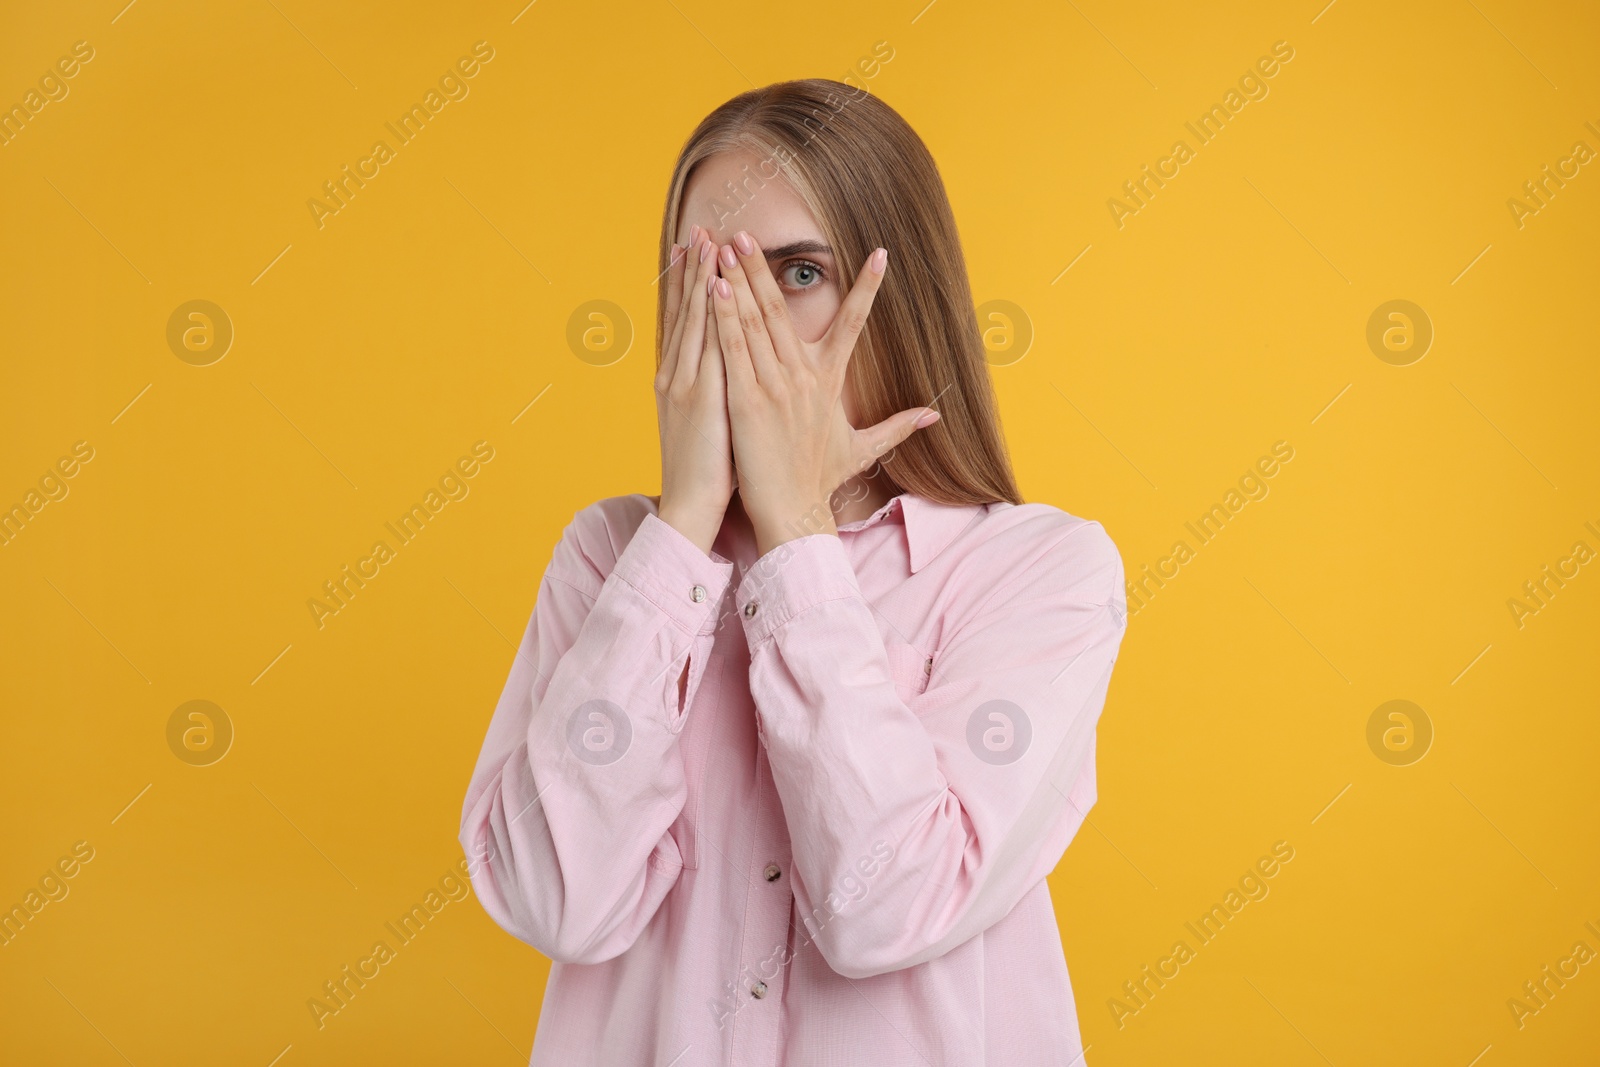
[
  {"x": 724, "y": 290},
  {"x": 728, "y": 259},
  {"x": 694, "y": 236},
  {"x": 705, "y": 251},
  {"x": 746, "y": 246},
  {"x": 879, "y": 260},
  {"x": 927, "y": 418}
]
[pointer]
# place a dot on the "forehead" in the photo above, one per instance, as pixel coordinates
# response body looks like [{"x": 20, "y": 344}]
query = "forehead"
[{"x": 732, "y": 191}]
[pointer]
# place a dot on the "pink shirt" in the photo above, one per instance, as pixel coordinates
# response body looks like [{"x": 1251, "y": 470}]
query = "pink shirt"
[{"x": 833, "y": 851}]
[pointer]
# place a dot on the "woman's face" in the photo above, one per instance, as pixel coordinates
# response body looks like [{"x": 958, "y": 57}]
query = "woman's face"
[{"x": 729, "y": 192}]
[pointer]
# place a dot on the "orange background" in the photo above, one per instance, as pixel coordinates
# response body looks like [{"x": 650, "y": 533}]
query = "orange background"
[{"x": 1228, "y": 313}]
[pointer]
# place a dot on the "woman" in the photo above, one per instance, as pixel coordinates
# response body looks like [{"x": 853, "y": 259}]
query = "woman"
[{"x": 786, "y": 754}]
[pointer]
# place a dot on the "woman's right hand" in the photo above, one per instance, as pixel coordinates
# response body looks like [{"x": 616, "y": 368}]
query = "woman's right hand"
[{"x": 697, "y": 478}]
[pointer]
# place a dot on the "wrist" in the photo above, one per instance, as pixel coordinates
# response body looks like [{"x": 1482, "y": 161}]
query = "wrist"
[
  {"x": 776, "y": 524},
  {"x": 697, "y": 523}
]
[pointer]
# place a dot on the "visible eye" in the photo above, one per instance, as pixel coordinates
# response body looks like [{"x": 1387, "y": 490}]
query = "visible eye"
[{"x": 801, "y": 274}]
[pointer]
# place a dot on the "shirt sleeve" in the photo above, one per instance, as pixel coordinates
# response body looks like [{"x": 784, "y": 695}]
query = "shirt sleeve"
[
  {"x": 567, "y": 817},
  {"x": 917, "y": 826}
]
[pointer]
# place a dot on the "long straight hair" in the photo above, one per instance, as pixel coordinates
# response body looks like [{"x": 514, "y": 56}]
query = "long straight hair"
[{"x": 870, "y": 182}]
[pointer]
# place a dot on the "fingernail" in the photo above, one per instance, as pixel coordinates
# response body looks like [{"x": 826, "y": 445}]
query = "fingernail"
[
  {"x": 711, "y": 282},
  {"x": 879, "y": 260},
  {"x": 705, "y": 251},
  {"x": 746, "y": 246},
  {"x": 929, "y": 417},
  {"x": 724, "y": 290},
  {"x": 694, "y": 235},
  {"x": 728, "y": 259}
]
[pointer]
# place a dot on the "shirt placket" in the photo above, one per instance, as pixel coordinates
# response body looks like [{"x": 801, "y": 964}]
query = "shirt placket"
[{"x": 766, "y": 944}]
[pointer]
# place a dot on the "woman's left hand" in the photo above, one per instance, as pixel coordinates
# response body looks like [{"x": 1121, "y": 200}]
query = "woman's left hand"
[{"x": 792, "y": 444}]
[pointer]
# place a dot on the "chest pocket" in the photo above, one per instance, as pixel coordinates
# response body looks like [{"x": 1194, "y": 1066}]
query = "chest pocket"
[
  {"x": 700, "y": 730},
  {"x": 909, "y": 667}
]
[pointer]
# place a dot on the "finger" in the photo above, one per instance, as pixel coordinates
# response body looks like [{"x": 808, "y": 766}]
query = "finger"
[
  {"x": 730, "y": 333},
  {"x": 714, "y": 372},
  {"x": 673, "y": 302},
  {"x": 738, "y": 377},
  {"x": 672, "y": 305},
  {"x": 895, "y": 429},
  {"x": 840, "y": 340},
  {"x": 679, "y": 308},
  {"x": 768, "y": 297},
  {"x": 712, "y": 344},
  {"x": 690, "y": 266},
  {"x": 762, "y": 355},
  {"x": 694, "y": 319},
  {"x": 690, "y": 248},
  {"x": 713, "y": 367},
  {"x": 711, "y": 350}
]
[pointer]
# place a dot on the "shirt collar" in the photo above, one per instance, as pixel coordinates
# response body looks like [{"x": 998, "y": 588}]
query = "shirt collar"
[{"x": 929, "y": 525}]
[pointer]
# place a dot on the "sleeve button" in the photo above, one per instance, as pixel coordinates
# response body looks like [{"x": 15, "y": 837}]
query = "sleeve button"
[{"x": 697, "y": 594}]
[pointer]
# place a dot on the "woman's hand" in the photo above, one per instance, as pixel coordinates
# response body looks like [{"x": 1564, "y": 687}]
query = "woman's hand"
[
  {"x": 691, "y": 400},
  {"x": 791, "y": 440}
]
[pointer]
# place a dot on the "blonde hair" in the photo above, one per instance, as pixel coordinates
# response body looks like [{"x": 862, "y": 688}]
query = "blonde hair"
[{"x": 871, "y": 182}]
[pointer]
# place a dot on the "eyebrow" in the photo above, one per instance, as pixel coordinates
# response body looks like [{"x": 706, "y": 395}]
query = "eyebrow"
[{"x": 795, "y": 248}]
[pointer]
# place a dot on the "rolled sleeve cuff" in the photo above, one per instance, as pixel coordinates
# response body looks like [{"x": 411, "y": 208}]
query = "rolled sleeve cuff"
[
  {"x": 671, "y": 572},
  {"x": 790, "y": 580}
]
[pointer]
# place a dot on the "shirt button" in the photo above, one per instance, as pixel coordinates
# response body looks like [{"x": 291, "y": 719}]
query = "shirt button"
[
  {"x": 697, "y": 594},
  {"x": 773, "y": 872},
  {"x": 750, "y": 610},
  {"x": 927, "y": 668},
  {"x": 758, "y": 990}
]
